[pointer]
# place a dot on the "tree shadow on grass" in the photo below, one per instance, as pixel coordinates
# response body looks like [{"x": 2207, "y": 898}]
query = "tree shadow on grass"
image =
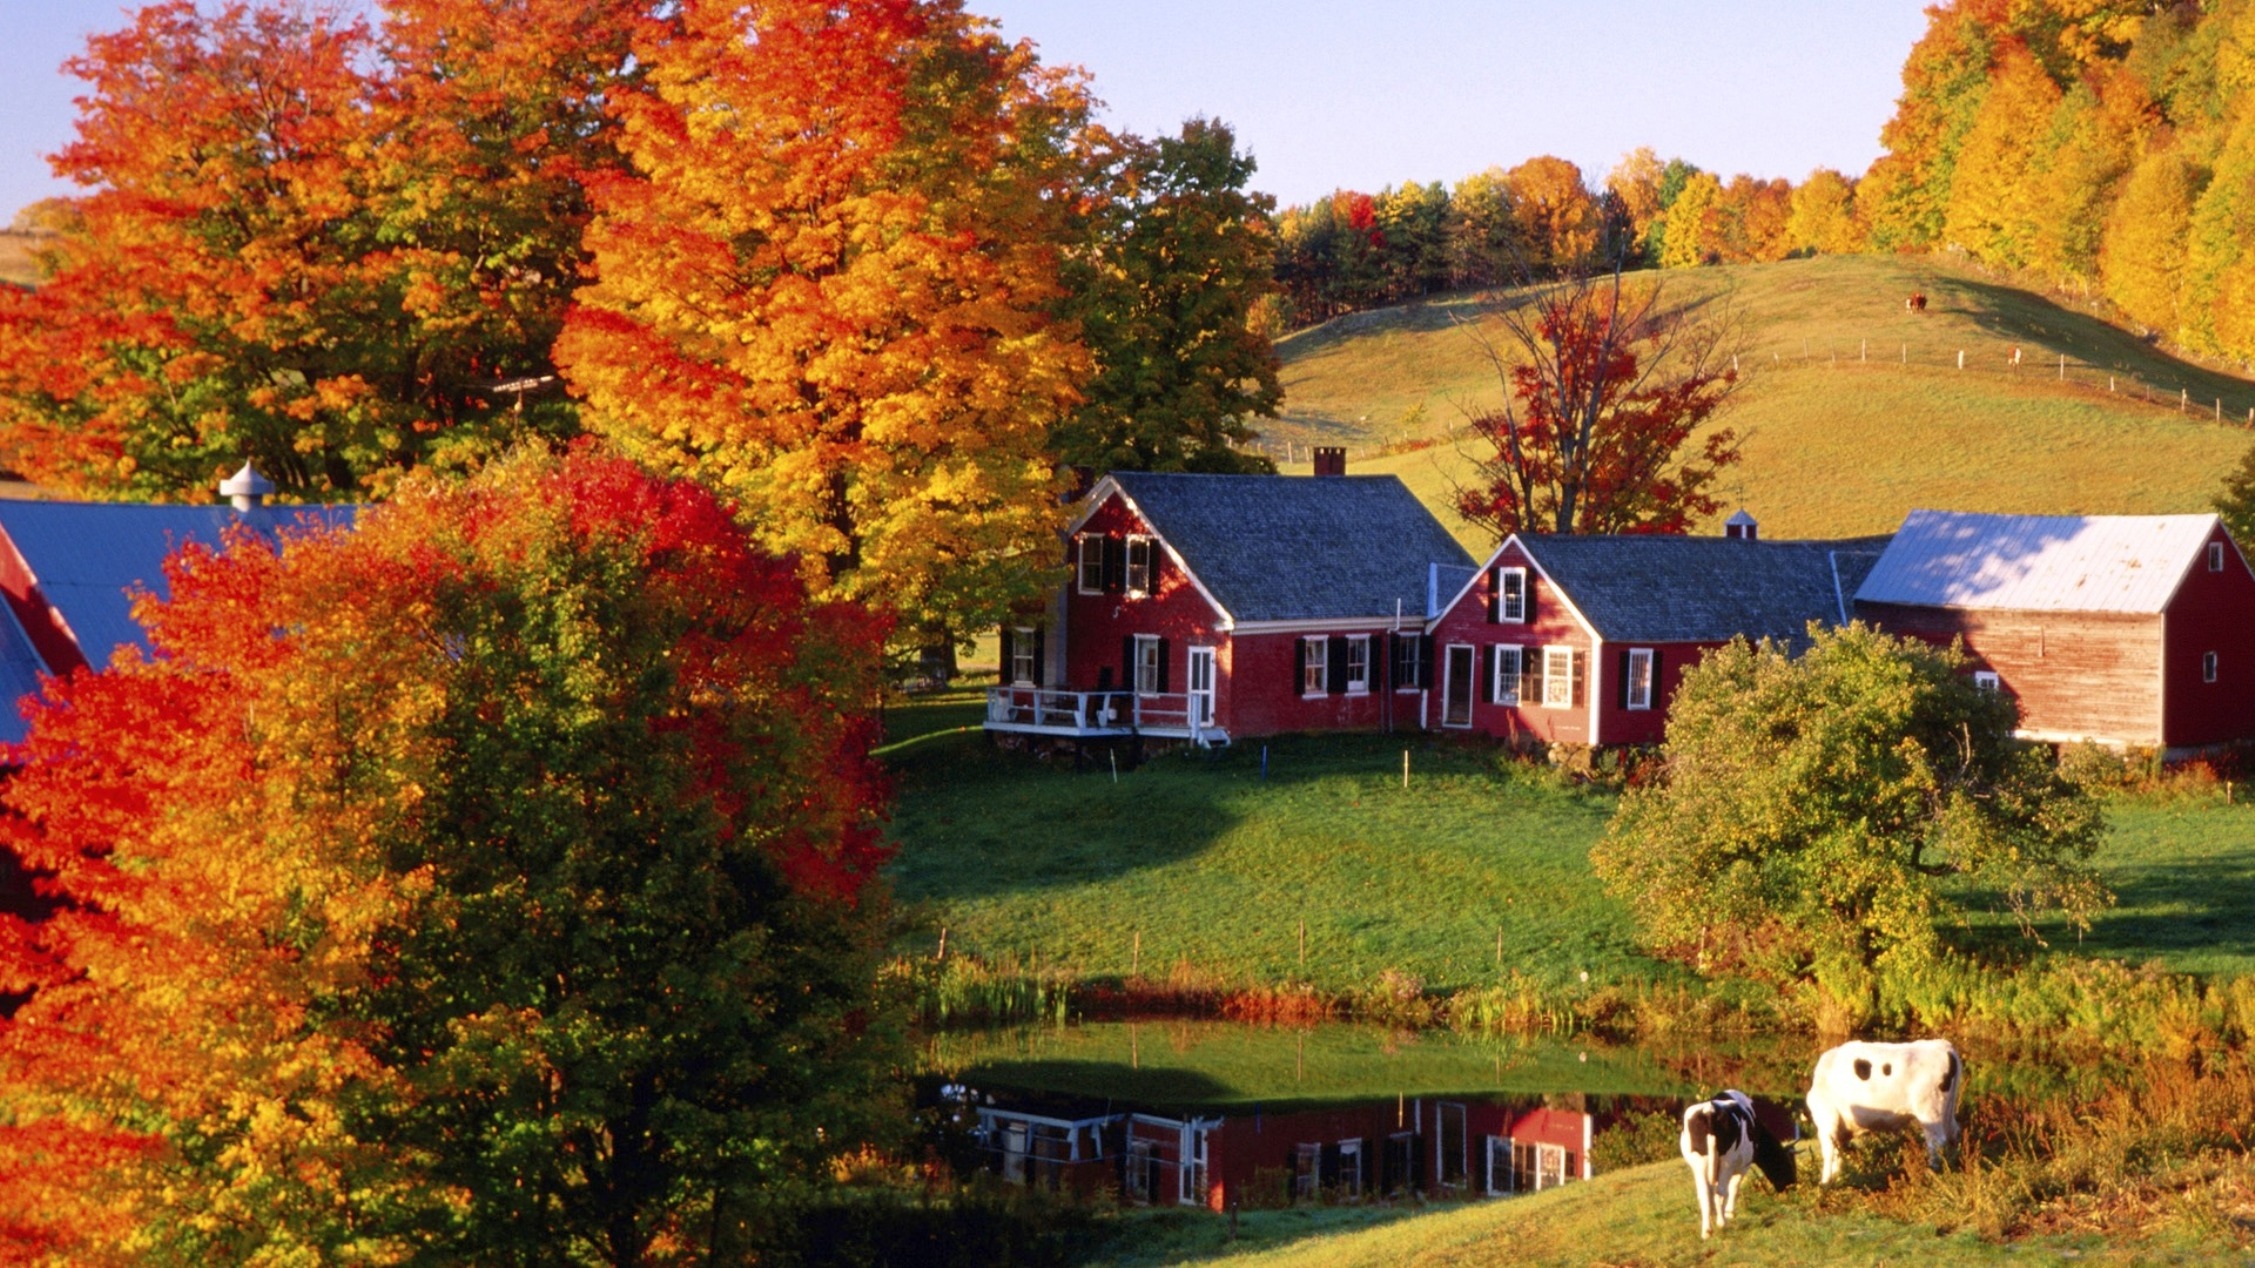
[
  {"x": 2010, "y": 313},
  {"x": 2185, "y": 909}
]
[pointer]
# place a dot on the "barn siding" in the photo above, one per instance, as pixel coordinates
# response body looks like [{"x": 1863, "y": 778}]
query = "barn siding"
[
  {"x": 2211, "y": 611},
  {"x": 1262, "y": 700},
  {"x": 2074, "y": 674},
  {"x": 1644, "y": 726},
  {"x": 1551, "y": 624},
  {"x": 1097, "y": 624}
]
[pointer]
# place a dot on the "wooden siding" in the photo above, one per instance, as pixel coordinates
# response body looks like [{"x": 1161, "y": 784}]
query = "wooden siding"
[
  {"x": 2074, "y": 674},
  {"x": 1550, "y": 623},
  {"x": 2211, "y": 612}
]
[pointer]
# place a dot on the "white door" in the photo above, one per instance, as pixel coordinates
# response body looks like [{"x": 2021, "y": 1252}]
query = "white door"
[{"x": 1201, "y": 686}]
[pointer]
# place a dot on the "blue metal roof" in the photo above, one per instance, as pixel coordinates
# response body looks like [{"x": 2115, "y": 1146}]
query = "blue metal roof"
[
  {"x": 20, "y": 668},
  {"x": 90, "y": 557}
]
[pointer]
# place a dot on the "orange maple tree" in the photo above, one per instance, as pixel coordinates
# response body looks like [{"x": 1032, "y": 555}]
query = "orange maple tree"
[
  {"x": 829, "y": 289},
  {"x": 488, "y": 879}
]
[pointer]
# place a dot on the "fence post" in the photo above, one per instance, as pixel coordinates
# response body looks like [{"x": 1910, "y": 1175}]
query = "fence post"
[
  {"x": 2063, "y": 367},
  {"x": 1961, "y": 358},
  {"x": 2184, "y": 399},
  {"x": 2110, "y": 385},
  {"x": 1906, "y": 354},
  {"x": 1865, "y": 353}
]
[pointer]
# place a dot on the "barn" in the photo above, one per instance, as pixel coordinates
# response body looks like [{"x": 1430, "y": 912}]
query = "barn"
[
  {"x": 1213, "y": 607},
  {"x": 1582, "y": 639},
  {"x": 2117, "y": 629}
]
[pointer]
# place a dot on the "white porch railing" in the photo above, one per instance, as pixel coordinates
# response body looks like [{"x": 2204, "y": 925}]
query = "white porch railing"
[{"x": 1048, "y": 712}]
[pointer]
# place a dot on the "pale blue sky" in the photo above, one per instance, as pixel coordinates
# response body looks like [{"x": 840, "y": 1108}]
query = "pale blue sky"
[{"x": 1327, "y": 93}]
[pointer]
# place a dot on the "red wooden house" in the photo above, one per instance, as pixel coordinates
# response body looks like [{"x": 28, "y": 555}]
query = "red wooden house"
[
  {"x": 1206, "y": 607},
  {"x": 2121, "y": 629},
  {"x": 1582, "y": 639}
]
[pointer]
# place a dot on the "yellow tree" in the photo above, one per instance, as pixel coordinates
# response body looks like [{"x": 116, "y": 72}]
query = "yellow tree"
[
  {"x": 2094, "y": 139},
  {"x": 1557, "y": 218},
  {"x": 2216, "y": 299},
  {"x": 1823, "y": 215},
  {"x": 2142, "y": 257},
  {"x": 1635, "y": 180},
  {"x": 826, "y": 289},
  {"x": 1994, "y": 199},
  {"x": 1689, "y": 220}
]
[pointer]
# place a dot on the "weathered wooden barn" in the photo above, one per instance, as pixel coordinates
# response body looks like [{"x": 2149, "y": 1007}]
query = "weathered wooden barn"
[
  {"x": 1582, "y": 639},
  {"x": 2120, "y": 629},
  {"x": 1212, "y": 607}
]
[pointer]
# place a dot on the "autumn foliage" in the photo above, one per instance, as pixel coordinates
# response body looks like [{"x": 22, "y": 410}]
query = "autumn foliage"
[
  {"x": 1606, "y": 389},
  {"x": 488, "y": 881}
]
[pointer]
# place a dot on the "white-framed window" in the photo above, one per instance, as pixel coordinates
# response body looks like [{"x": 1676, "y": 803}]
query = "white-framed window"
[
  {"x": 1315, "y": 665},
  {"x": 1558, "y": 678},
  {"x": 1409, "y": 661},
  {"x": 1139, "y": 565},
  {"x": 1499, "y": 1165},
  {"x": 2208, "y": 667},
  {"x": 1987, "y": 680},
  {"x": 2215, "y": 556},
  {"x": 1022, "y": 656},
  {"x": 1509, "y": 663},
  {"x": 1639, "y": 684},
  {"x": 1358, "y": 663},
  {"x": 1147, "y": 652},
  {"x": 1307, "y": 1171},
  {"x": 1088, "y": 570},
  {"x": 1511, "y": 595},
  {"x": 1350, "y": 1167}
]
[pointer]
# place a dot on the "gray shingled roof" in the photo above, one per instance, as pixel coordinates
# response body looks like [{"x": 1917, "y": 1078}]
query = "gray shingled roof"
[
  {"x": 1288, "y": 548},
  {"x": 1655, "y": 589}
]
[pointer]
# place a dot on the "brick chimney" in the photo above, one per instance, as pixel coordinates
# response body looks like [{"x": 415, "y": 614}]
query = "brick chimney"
[
  {"x": 1741, "y": 526},
  {"x": 1330, "y": 460}
]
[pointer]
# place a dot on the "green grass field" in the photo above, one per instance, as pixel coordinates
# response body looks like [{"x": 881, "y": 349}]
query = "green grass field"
[
  {"x": 1642, "y": 1215},
  {"x": 1835, "y": 444},
  {"x": 1216, "y": 868}
]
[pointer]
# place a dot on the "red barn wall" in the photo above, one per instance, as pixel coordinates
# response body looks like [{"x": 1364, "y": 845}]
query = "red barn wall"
[
  {"x": 1549, "y": 623},
  {"x": 2211, "y": 612},
  {"x": 1250, "y": 1156},
  {"x": 1097, "y": 624},
  {"x": 1619, "y": 724},
  {"x": 2095, "y": 674},
  {"x": 1261, "y": 695}
]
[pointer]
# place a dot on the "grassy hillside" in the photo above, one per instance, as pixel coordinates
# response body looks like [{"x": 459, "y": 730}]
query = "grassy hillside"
[{"x": 1853, "y": 410}]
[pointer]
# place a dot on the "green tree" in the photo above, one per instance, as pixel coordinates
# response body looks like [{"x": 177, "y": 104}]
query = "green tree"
[
  {"x": 1821, "y": 813},
  {"x": 2236, "y": 503},
  {"x": 1944, "y": 80},
  {"x": 1165, "y": 291},
  {"x": 1483, "y": 231},
  {"x": 1688, "y": 228}
]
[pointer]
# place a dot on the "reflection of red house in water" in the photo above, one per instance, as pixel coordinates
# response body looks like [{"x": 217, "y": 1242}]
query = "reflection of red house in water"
[{"x": 1436, "y": 1148}]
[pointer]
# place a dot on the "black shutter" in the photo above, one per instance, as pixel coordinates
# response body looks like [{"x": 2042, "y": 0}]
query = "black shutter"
[
  {"x": 1152, "y": 553},
  {"x": 1162, "y": 666},
  {"x": 1038, "y": 655},
  {"x": 1115, "y": 562},
  {"x": 1623, "y": 694},
  {"x": 1127, "y": 661},
  {"x": 1335, "y": 665},
  {"x": 1528, "y": 602},
  {"x": 1655, "y": 702},
  {"x": 1425, "y": 662},
  {"x": 1299, "y": 664},
  {"x": 1488, "y": 656},
  {"x": 1495, "y": 594},
  {"x": 1577, "y": 665},
  {"x": 1004, "y": 675}
]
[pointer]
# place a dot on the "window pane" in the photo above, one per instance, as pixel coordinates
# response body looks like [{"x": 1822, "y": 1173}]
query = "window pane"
[
  {"x": 1358, "y": 664},
  {"x": 1139, "y": 564},
  {"x": 1313, "y": 670},
  {"x": 1558, "y": 678}
]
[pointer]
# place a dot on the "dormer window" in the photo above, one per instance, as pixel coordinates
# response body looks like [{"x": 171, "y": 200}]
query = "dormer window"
[
  {"x": 2208, "y": 667},
  {"x": 1139, "y": 565},
  {"x": 1511, "y": 595},
  {"x": 1089, "y": 563},
  {"x": 2215, "y": 556}
]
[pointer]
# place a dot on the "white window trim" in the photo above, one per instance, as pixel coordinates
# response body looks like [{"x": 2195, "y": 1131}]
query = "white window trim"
[
  {"x": 2215, "y": 556},
  {"x": 1518, "y": 675},
  {"x": 2208, "y": 666},
  {"x": 1150, "y": 554},
  {"x": 1987, "y": 680},
  {"x": 1082, "y": 545},
  {"x": 1448, "y": 687},
  {"x": 1417, "y": 667},
  {"x": 1142, "y": 641},
  {"x": 1315, "y": 662},
  {"x": 1503, "y": 592},
  {"x": 1550, "y": 675},
  {"x": 1022, "y": 649},
  {"x": 1651, "y": 687},
  {"x": 1358, "y": 686}
]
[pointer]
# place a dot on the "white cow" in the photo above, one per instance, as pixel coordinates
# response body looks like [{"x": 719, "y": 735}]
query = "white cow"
[
  {"x": 1721, "y": 1139},
  {"x": 1883, "y": 1087}
]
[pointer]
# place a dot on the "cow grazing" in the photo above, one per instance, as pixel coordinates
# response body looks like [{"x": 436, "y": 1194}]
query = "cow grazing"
[
  {"x": 1721, "y": 1139},
  {"x": 1859, "y": 1088}
]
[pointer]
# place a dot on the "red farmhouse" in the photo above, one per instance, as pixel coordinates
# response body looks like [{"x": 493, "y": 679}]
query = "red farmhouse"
[
  {"x": 1582, "y": 639},
  {"x": 2121, "y": 629},
  {"x": 1206, "y": 607}
]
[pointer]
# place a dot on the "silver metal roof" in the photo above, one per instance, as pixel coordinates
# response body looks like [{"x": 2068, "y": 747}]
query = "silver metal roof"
[{"x": 2038, "y": 563}]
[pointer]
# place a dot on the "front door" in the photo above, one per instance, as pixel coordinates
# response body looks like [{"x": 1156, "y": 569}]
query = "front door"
[
  {"x": 1201, "y": 686},
  {"x": 1457, "y": 686}
]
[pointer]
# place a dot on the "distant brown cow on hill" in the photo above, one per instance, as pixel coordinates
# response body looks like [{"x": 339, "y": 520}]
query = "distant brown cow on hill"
[{"x": 1917, "y": 302}]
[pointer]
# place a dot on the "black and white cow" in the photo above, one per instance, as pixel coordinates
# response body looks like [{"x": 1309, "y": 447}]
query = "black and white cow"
[
  {"x": 1885, "y": 1087},
  {"x": 1721, "y": 1139}
]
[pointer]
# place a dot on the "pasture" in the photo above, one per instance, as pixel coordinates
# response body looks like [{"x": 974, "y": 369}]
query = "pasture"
[
  {"x": 1852, "y": 410},
  {"x": 1195, "y": 864}
]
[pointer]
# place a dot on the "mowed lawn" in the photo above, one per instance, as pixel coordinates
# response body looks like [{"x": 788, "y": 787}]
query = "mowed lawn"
[
  {"x": 1217, "y": 868},
  {"x": 1641, "y": 1215},
  {"x": 1840, "y": 435}
]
